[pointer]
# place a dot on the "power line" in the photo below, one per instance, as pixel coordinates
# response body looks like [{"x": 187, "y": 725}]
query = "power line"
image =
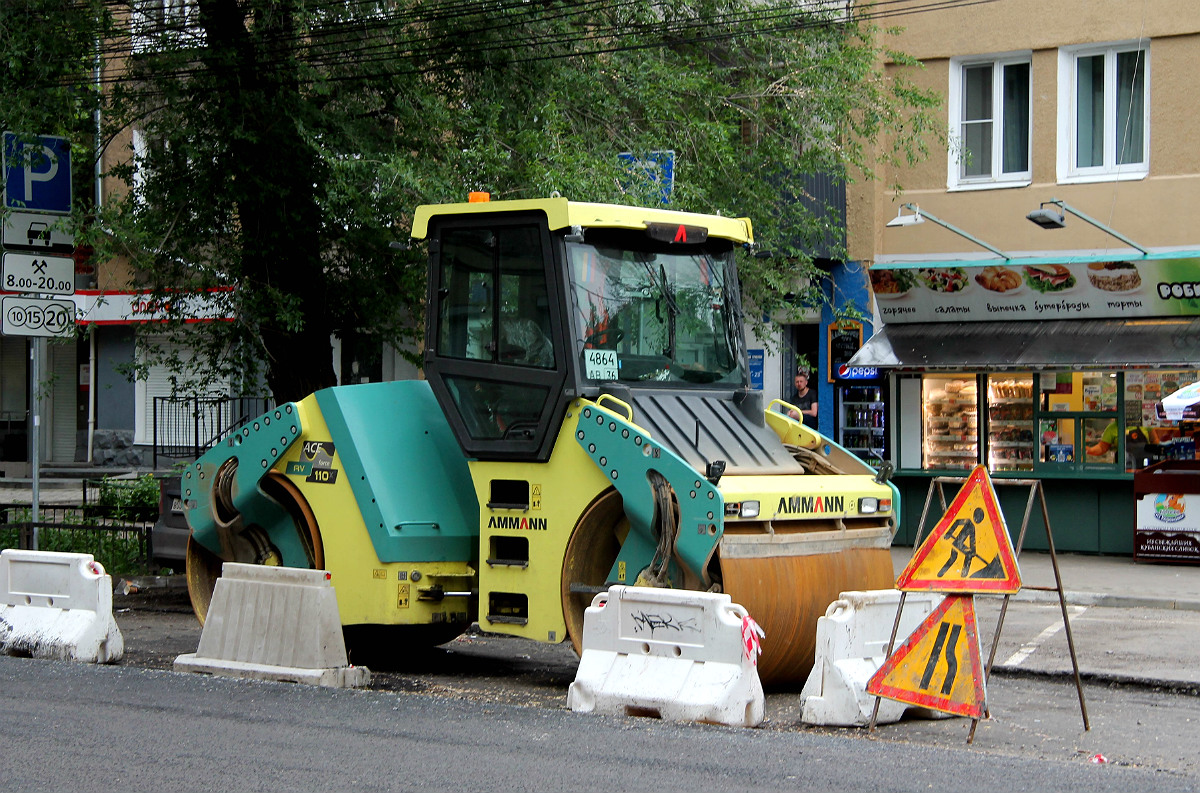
[{"x": 317, "y": 42}]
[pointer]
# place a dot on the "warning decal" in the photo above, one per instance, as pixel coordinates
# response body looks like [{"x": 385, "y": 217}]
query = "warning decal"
[
  {"x": 969, "y": 550},
  {"x": 940, "y": 666}
]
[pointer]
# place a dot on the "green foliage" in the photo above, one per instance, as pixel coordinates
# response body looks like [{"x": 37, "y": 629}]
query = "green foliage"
[
  {"x": 289, "y": 142},
  {"x": 129, "y": 499},
  {"x": 119, "y": 550}
]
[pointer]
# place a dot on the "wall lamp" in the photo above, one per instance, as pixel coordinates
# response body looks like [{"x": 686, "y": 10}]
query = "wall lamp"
[
  {"x": 919, "y": 216},
  {"x": 1049, "y": 219}
]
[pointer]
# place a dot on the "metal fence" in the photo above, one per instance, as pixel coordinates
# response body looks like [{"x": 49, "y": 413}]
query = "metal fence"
[
  {"x": 118, "y": 538},
  {"x": 185, "y": 428}
]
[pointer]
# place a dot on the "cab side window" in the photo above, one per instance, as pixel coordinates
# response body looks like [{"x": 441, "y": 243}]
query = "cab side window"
[
  {"x": 494, "y": 336},
  {"x": 496, "y": 305}
]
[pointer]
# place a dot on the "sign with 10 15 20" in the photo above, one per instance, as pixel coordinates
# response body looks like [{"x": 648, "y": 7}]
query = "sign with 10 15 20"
[
  {"x": 31, "y": 316},
  {"x": 32, "y": 272}
]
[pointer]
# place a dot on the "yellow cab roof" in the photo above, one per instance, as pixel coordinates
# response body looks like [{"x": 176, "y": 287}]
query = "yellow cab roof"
[{"x": 561, "y": 213}]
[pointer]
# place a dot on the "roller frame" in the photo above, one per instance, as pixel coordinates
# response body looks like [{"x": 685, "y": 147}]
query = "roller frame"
[
  {"x": 257, "y": 447},
  {"x": 626, "y": 455}
]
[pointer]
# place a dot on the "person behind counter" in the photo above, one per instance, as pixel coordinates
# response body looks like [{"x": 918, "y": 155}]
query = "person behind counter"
[
  {"x": 805, "y": 399},
  {"x": 1134, "y": 437}
]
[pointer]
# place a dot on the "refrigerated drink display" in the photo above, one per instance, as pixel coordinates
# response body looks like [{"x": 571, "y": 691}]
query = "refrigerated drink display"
[
  {"x": 1010, "y": 423},
  {"x": 951, "y": 438},
  {"x": 861, "y": 422}
]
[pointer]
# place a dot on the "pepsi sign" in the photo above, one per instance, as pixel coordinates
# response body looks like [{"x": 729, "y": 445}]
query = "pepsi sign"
[{"x": 847, "y": 372}]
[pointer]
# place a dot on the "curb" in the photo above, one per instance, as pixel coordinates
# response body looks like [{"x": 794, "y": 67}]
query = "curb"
[
  {"x": 1107, "y": 600},
  {"x": 1067, "y": 677}
]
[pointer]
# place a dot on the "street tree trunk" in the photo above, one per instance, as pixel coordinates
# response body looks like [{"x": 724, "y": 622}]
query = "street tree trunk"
[{"x": 275, "y": 176}]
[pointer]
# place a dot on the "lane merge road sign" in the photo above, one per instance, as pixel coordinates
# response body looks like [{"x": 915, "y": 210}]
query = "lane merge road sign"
[{"x": 32, "y": 272}]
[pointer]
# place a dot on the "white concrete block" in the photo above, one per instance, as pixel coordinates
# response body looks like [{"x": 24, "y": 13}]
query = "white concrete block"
[
  {"x": 670, "y": 653},
  {"x": 274, "y": 623},
  {"x": 57, "y": 605}
]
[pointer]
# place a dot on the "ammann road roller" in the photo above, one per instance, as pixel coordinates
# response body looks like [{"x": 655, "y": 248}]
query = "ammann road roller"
[{"x": 586, "y": 420}]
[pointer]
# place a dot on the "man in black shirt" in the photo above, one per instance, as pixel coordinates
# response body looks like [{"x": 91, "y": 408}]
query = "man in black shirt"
[{"x": 805, "y": 399}]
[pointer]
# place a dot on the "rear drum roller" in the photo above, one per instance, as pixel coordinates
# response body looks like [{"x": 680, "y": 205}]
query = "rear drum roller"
[{"x": 253, "y": 546}]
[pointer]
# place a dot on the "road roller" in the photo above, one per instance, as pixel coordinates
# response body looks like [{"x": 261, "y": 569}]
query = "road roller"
[{"x": 585, "y": 419}]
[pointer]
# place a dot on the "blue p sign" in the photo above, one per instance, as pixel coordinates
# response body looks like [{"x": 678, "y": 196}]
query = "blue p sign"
[{"x": 37, "y": 174}]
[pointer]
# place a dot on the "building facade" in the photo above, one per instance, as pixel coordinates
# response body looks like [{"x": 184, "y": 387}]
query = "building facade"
[{"x": 1035, "y": 285}]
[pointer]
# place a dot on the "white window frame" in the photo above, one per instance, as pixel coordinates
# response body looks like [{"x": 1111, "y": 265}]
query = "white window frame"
[
  {"x": 1068, "y": 96},
  {"x": 165, "y": 24},
  {"x": 955, "y": 108}
]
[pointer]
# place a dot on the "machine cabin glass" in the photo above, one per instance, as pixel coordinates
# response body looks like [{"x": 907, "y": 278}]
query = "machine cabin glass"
[
  {"x": 492, "y": 359},
  {"x": 653, "y": 311}
]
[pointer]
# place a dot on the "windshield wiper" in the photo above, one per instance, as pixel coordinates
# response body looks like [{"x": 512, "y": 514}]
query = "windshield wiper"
[{"x": 672, "y": 307}]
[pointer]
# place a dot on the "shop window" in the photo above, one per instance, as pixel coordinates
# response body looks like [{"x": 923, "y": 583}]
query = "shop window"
[
  {"x": 949, "y": 417},
  {"x": 1010, "y": 433},
  {"x": 1104, "y": 121},
  {"x": 1165, "y": 439},
  {"x": 1092, "y": 423},
  {"x": 1078, "y": 420},
  {"x": 989, "y": 105}
]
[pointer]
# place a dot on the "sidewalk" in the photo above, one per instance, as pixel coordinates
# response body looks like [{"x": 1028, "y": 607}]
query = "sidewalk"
[
  {"x": 1130, "y": 622},
  {"x": 1110, "y": 581},
  {"x": 58, "y": 490}
]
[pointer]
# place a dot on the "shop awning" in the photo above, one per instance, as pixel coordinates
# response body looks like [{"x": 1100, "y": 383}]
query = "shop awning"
[{"x": 1099, "y": 344}]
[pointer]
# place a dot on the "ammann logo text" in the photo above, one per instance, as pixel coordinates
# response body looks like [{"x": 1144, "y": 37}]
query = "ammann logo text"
[
  {"x": 522, "y": 524},
  {"x": 812, "y": 504}
]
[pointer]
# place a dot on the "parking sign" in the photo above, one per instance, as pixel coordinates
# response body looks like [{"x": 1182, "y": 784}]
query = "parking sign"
[{"x": 37, "y": 174}]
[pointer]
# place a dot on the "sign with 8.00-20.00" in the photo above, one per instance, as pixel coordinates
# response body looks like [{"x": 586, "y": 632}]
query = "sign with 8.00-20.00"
[
  {"x": 31, "y": 316},
  {"x": 31, "y": 272}
]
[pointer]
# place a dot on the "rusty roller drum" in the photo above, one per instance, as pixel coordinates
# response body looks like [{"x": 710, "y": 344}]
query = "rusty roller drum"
[{"x": 786, "y": 595}]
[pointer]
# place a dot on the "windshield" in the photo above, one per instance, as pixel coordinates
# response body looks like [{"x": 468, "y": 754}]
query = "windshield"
[{"x": 648, "y": 311}]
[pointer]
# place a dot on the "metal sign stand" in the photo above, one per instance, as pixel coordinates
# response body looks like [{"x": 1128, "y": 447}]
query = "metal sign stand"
[{"x": 1035, "y": 491}]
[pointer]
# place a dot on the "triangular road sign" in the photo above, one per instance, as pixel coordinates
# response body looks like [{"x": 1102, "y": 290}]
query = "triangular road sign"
[
  {"x": 969, "y": 549},
  {"x": 940, "y": 666}
]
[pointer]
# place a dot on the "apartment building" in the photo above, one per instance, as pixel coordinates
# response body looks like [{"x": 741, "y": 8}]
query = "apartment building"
[{"x": 1036, "y": 285}]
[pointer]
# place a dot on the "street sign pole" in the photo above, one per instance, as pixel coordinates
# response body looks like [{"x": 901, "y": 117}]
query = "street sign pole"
[
  {"x": 35, "y": 386},
  {"x": 36, "y": 176}
]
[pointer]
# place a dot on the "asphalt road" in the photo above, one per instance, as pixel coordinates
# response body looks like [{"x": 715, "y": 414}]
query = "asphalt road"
[
  {"x": 489, "y": 713},
  {"x": 86, "y": 728}
]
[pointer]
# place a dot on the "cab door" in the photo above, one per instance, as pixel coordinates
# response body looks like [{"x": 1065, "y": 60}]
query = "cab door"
[{"x": 495, "y": 343}]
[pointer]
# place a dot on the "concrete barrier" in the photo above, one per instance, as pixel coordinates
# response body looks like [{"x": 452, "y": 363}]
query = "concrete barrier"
[
  {"x": 670, "y": 654},
  {"x": 852, "y": 640},
  {"x": 57, "y": 605},
  {"x": 274, "y": 623}
]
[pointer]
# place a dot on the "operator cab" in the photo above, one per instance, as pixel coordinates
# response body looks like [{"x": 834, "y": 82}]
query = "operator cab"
[{"x": 532, "y": 303}]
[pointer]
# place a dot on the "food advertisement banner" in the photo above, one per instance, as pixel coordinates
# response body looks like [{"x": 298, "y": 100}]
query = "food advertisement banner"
[{"x": 1038, "y": 290}]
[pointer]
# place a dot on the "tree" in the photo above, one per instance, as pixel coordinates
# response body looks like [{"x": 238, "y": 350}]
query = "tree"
[{"x": 289, "y": 141}]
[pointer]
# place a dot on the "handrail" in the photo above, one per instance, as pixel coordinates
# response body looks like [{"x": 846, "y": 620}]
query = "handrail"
[{"x": 190, "y": 426}]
